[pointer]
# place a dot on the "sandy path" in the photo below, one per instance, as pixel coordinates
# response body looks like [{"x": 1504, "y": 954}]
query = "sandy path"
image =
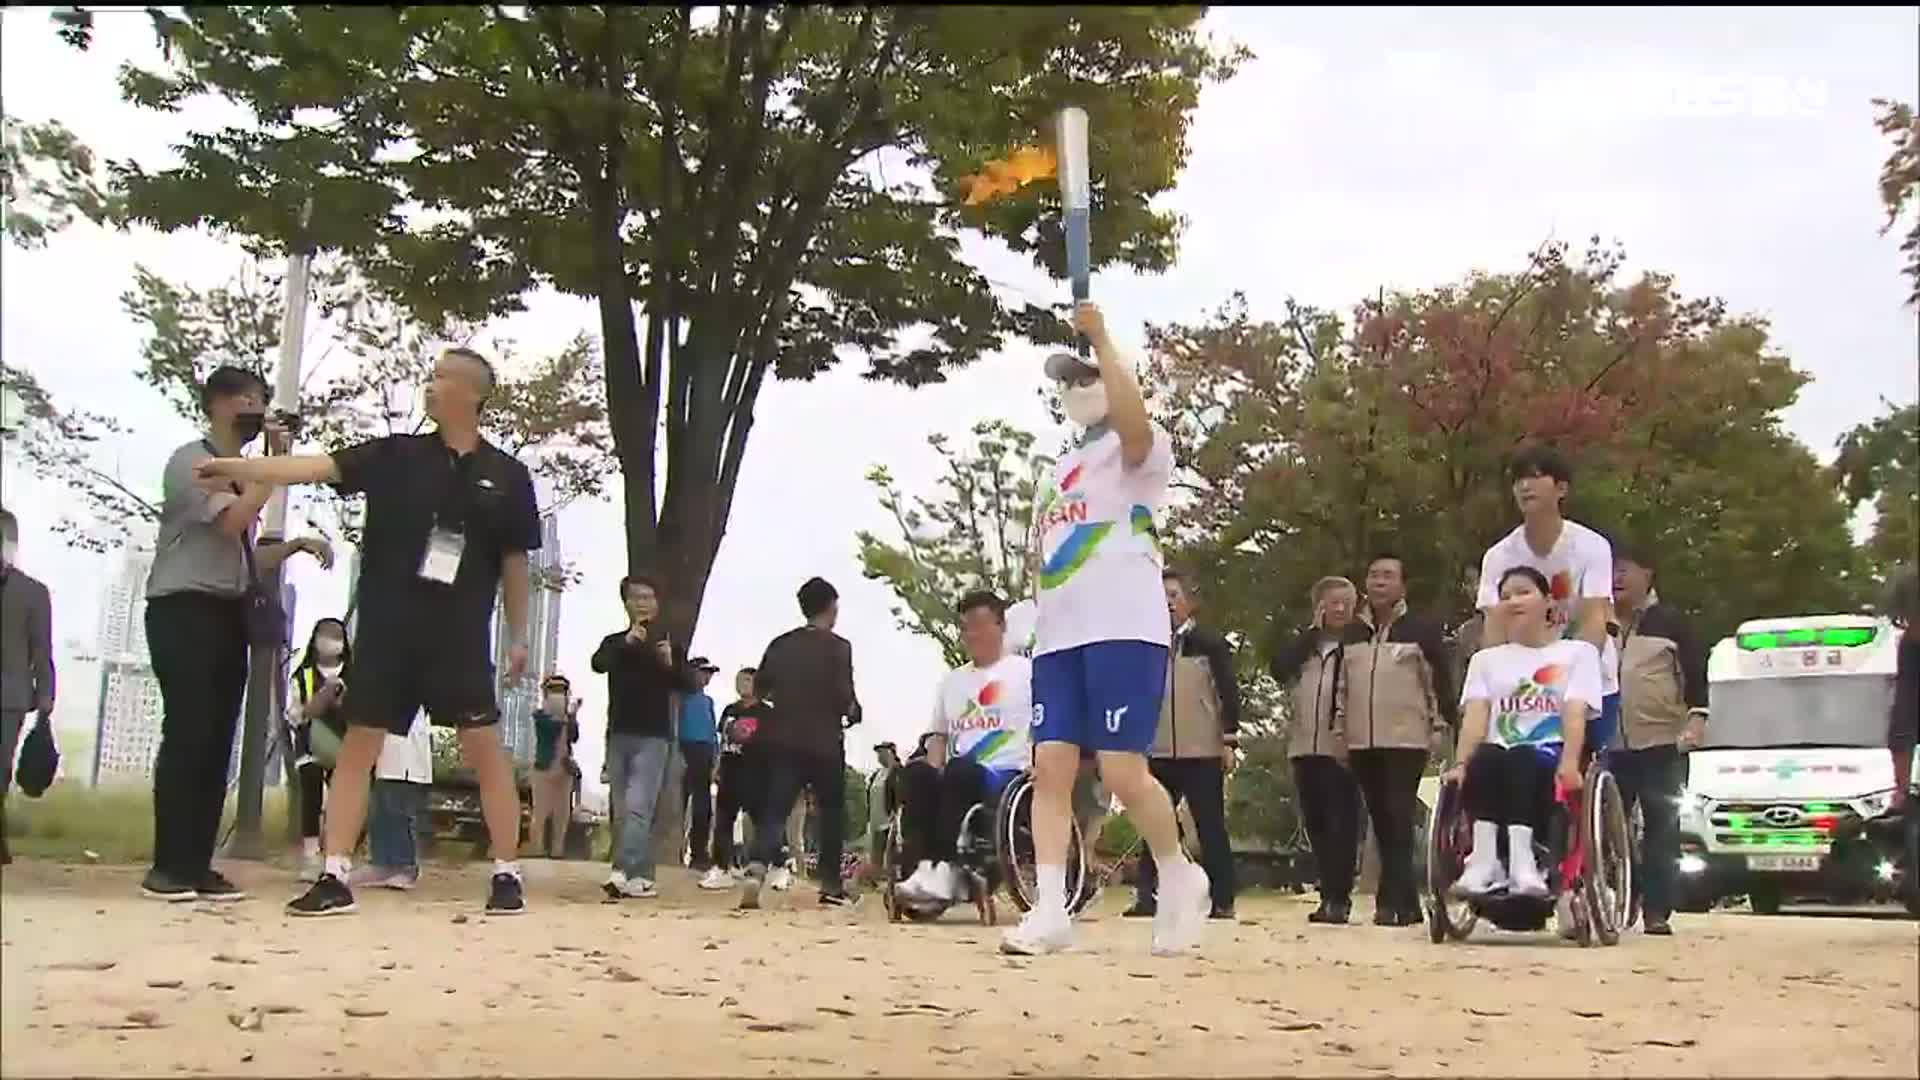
[{"x": 683, "y": 986}]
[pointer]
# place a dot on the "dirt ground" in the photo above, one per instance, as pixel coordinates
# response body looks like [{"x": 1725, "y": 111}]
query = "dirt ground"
[{"x": 96, "y": 980}]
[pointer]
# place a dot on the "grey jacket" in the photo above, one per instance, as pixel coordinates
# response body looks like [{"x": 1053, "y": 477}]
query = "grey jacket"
[{"x": 26, "y": 644}]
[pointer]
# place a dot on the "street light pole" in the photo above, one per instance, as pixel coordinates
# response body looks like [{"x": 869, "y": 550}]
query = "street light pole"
[{"x": 264, "y": 678}]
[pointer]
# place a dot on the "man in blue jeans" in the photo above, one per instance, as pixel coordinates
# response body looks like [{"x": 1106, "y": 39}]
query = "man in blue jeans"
[
  {"x": 401, "y": 781},
  {"x": 644, "y": 669}
]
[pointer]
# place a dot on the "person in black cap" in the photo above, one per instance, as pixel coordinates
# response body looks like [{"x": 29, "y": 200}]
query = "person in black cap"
[
  {"x": 699, "y": 744},
  {"x": 807, "y": 679}
]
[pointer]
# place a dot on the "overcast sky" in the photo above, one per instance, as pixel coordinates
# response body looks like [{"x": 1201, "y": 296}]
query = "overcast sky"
[{"x": 1360, "y": 148}]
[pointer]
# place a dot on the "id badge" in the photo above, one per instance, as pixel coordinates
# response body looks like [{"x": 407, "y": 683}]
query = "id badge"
[{"x": 442, "y": 560}]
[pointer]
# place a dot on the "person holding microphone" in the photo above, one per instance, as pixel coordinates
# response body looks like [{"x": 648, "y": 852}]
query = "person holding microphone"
[{"x": 644, "y": 667}]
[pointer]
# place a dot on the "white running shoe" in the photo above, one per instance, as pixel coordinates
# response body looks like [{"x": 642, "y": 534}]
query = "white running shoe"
[
  {"x": 780, "y": 879},
  {"x": 1525, "y": 879},
  {"x": 1480, "y": 877},
  {"x": 1039, "y": 933},
  {"x": 1180, "y": 910},
  {"x": 919, "y": 884},
  {"x": 717, "y": 880}
]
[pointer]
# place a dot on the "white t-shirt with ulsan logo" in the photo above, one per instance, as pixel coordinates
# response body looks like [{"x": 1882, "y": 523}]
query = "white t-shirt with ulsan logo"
[
  {"x": 1100, "y": 559},
  {"x": 985, "y": 713},
  {"x": 1527, "y": 689},
  {"x": 1580, "y": 567}
]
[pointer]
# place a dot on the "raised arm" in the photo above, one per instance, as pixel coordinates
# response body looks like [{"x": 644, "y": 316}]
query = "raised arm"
[
  {"x": 271, "y": 471},
  {"x": 1126, "y": 407}
]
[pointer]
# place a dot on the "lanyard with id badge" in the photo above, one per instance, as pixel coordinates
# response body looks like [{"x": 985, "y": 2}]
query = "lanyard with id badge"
[{"x": 441, "y": 562}]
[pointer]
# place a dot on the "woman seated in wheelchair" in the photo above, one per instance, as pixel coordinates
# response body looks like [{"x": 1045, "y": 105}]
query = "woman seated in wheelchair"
[
  {"x": 977, "y": 746},
  {"x": 1524, "y": 710}
]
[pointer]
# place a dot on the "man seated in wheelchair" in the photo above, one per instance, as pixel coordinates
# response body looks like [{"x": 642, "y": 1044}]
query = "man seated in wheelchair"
[
  {"x": 977, "y": 745},
  {"x": 1524, "y": 710}
]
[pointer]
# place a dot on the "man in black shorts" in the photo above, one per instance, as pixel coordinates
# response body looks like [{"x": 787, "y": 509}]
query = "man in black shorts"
[{"x": 450, "y": 520}]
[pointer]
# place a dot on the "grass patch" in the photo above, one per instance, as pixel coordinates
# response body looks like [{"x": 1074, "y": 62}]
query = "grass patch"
[{"x": 114, "y": 823}]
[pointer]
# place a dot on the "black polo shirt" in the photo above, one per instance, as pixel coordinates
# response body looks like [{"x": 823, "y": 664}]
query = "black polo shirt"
[{"x": 414, "y": 483}]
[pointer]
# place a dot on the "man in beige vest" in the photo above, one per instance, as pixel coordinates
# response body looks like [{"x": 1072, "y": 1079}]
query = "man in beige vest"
[
  {"x": 1397, "y": 701},
  {"x": 1194, "y": 745}
]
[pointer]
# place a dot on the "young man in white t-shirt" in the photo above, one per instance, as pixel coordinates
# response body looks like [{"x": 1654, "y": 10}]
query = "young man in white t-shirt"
[
  {"x": 1101, "y": 641},
  {"x": 1577, "y": 563},
  {"x": 978, "y": 745}
]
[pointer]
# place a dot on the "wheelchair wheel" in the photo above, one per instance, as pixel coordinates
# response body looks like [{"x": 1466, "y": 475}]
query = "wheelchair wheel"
[
  {"x": 890, "y": 858},
  {"x": 1449, "y": 838},
  {"x": 1607, "y": 868},
  {"x": 1013, "y": 850}
]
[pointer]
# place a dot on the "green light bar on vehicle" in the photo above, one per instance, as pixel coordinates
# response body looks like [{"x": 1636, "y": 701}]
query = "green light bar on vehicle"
[{"x": 1836, "y": 637}]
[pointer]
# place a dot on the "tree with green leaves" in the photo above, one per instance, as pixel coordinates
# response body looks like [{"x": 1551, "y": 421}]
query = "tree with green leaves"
[
  {"x": 1879, "y": 462},
  {"x": 744, "y": 191},
  {"x": 1900, "y": 179},
  {"x": 974, "y": 532},
  {"x": 49, "y": 179}
]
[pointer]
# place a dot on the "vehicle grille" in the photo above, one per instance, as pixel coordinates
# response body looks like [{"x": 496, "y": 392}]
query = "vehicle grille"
[{"x": 1779, "y": 824}]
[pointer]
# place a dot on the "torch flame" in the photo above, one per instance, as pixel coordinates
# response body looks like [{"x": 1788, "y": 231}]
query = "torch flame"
[{"x": 1020, "y": 168}]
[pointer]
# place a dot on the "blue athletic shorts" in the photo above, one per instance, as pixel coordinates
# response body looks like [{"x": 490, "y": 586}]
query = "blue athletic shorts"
[
  {"x": 1601, "y": 729},
  {"x": 1102, "y": 696}
]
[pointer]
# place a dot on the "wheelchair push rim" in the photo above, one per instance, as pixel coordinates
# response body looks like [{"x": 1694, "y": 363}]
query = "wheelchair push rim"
[
  {"x": 1607, "y": 873},
  {"x": 1447, "y": 917},
  {"x": 1013, "y": 848}
]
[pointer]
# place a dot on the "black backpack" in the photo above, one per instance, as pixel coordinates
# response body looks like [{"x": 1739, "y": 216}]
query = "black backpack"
[{"x": 39, "y": 760}]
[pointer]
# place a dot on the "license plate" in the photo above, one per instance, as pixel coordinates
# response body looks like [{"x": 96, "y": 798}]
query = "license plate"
[{"x": 1786, "y": 863}]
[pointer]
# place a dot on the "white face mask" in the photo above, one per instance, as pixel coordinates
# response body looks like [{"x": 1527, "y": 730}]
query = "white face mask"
[
  {"x": 328, "y": 648},
  {"x": 1085, "y": 405},
  {"x": 9, "y": 552}
]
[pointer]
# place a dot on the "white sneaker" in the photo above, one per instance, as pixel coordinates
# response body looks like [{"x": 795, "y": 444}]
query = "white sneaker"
[
  {"x": 717, "y": 880},
  {"x": 638, "y": 888},
  {"x": 780, "y": 879},
  {"x": 1525, "y": 879},
  {"x": 920, "y": 884},
  {"x": 1480, "y": 877},
  {"x": 1039, "y": 933},
  {"x": 1180, "y": 910},
  {"x": 952, "y": 881}
]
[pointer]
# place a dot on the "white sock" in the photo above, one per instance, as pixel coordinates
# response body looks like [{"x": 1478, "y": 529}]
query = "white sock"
[
  {"x": 507, "y": 866},
  {"x": 339, "y": 866},
  {"x": 1052, "y": 887},
  {"x": 1486, "y": 842},
  {"x": 1171, "y": 864},
  {"x": 310, "y": 846},
  {"x": 1520, "y": 848}
]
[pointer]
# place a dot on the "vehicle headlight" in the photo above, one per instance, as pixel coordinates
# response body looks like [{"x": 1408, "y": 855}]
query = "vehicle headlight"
[
  {"x": 1872, "y": 806},
  {"x": 1690, "y": 804},
  {"x": 1692, "y": 864}
]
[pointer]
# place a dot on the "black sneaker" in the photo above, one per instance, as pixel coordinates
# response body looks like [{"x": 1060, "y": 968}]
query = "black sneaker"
[
  {"x": 163, "y": 886},
  {"x": 1224, "y": 914},
  {"x": 838, "y": 900},
  {"x": 214, "y": 885},
  {"x": 1140, "y": 910},
  {"x": 1658, "y": 926},
  {"x": 1393, "y": 916},
  {"x": 327, "y": 896},
  {"x": 505, "y": 896},
  {"x": 1331, "y": 914}
]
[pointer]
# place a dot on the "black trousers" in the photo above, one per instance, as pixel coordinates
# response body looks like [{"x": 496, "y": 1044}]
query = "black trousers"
[
  {"x": 1511, "y": 785},
  {"x": 198, "y": 643},
  {"x": 698, "y": 788},
  {"x": 743, "y": 789},
  {"x": 1653, "y": 778},
  {"x": 1202, "y": 782},
  {"x": 1329, "y": 803},
  {"x": 1390, "y": 781},
  {"x": 313, "y": 791},
  {"x": 934, "y": 804},
  {"x": 789, "y": 772}
]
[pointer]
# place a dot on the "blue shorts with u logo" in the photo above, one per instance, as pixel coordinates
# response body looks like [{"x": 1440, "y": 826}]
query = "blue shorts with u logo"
[{"x": 1104, "y": 695}]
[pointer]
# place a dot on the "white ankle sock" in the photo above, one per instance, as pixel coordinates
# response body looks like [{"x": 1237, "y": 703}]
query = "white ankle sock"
[
  {"x": 1052, "y": 886},
  {"x": 339, "y": 866},
  {"x": 1520, "y": 848},
  {"x": 1173, "y": 864},
  {"x": 310, "y": 846},
  {"x": 1486, "y": 842}
]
